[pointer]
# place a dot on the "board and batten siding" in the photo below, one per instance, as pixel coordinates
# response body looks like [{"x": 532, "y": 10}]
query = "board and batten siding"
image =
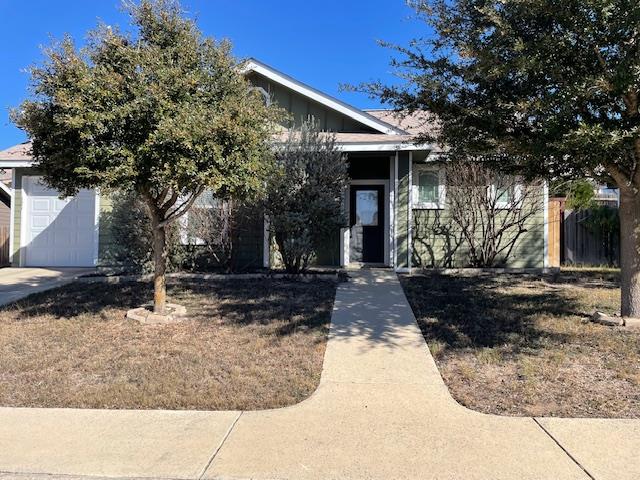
[{"x": 301, "y": 108}]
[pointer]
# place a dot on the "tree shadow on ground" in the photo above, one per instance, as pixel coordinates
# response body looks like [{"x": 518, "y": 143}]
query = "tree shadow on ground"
[
  {"x": 608, "y": 278},
  {"x": 285, "y": 305},
  {"x": 481, "y": 312}
]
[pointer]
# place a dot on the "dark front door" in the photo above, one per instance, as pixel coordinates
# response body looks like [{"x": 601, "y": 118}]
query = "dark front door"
[{"x": 367, "y": 223}]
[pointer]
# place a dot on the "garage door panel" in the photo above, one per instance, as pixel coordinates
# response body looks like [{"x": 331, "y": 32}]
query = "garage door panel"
[
  {"x": 60, "y": 205},
  {"x": 39, "y": 221},
  {"x": 39, "y": 204},
  {"x": 63, "y": 239},
  {"x": 60, "y": 232}
]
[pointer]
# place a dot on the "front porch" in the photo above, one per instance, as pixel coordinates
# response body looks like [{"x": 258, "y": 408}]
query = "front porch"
[{"x": 378, "y": 208}]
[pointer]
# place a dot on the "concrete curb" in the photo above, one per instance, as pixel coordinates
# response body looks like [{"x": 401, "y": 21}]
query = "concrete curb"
[
  {"x": 304, "y": 277},
  {"x": 465, "y": 271}
]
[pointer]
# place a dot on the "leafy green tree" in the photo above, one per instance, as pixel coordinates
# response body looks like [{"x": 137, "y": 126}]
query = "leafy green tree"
[
  {"x": 303, "y": 199},
  {"x": 163, "y": 112},
  {"x": 580, "y": 195},
  {"x": 549, "y": 88}
]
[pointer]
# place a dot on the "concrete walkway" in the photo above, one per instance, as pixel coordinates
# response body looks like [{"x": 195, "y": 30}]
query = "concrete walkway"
[
  {"x": 17, "y": 283},
  {"x": 381, "y": 412}
]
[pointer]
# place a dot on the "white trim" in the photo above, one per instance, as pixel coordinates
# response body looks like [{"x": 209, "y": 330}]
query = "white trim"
[
  {"x": 381, "y": 147},
  {"x": 403, "y": 270},
  {"x": 96, "y": 227},
  {"x": 395, "y": 214},
  {"x": 253, "y": 65},
  {"x": 12, "y": 221},
  {"x": 545, "y": 199},
  {"x": 387, "y": 220},
  {"x": 415, "y": 187},
  {"x": 391, "y": 146},
  {"x": 266, "y": 243},
  {"x": 16, "y": 163},
  {"x": 517, "y": 196},
  {"x": 392, "y": 212},
  {"x": 410, "y": 214},
  {"x": 345, "y": 239},
  {"x": 23, "y": 220}
]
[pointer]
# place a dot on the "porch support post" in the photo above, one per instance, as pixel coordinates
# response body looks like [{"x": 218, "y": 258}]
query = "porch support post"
[
  {"x": 403, "y": 190},
  {"x": 12, "y": 219},
  {"x": 394, "y": 210},
  {"x": 410, "y": 214},
  {"x": 345, "y": 238},
  {"x": 345, "y": 232}
]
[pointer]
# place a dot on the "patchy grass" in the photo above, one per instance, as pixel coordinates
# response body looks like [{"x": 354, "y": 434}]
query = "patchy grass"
[
  {"x": 521, "y": 345},
  {"x": 249, "y": 344}
]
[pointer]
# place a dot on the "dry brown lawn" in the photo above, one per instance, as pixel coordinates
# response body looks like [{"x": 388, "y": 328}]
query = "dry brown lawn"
[
  {"x": 249, "y": 344},
  {"x": 521, "y": 345}
]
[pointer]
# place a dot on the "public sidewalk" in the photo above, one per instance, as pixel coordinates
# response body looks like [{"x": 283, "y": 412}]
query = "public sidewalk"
[{"x": 381, "y": 411}]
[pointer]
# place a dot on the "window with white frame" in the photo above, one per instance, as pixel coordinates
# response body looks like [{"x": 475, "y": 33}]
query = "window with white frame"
[
  {"x": 428, "y": 187},
  {"x": 204, "y": 202},
  {"x": 507, "y": 195}
]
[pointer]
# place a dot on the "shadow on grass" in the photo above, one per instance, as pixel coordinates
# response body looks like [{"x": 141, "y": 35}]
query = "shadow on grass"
[
  {"x": 477, "y": 312},
  {"x": 284, "y": 304},
  {"x": 608, "y": 278}
]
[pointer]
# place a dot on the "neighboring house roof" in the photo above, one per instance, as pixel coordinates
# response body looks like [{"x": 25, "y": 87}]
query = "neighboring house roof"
[
  {"x": 22, "y": 151},
  {"x": 413, "y": 123}
]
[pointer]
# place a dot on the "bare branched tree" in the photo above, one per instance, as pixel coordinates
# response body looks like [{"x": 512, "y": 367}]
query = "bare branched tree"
[
  {"x": 435, "y": 240},
  {"x": 213, "y": 225},
  {"x": 492, "y": 210}
]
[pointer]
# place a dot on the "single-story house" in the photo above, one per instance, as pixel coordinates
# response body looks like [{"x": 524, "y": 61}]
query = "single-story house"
[{"x": 390, "y": 179}]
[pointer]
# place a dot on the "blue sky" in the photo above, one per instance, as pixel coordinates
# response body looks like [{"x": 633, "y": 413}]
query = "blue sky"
[{"x": 322, "y": 43}]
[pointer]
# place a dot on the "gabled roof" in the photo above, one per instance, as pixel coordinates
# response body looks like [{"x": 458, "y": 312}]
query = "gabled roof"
[
  {"x": 396, "y": 131},
  {"x": 253, "y": 65}
]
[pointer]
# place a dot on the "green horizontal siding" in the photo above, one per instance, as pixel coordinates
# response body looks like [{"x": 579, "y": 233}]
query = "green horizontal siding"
[
  {"x": 105, "y": 238},
  {"x": 402, "y": 210},
  {"x": 434, "y": 238}
]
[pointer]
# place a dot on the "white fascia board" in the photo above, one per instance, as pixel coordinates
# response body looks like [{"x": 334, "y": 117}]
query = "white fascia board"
[
  {"x": 285, "y": 80},
  {"x": 381, "y": 147},
  {"x": 16, "y": 163}
]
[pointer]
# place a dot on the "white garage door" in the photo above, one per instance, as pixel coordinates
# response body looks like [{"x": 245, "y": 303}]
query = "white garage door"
[{"x": 58, "y": 233}]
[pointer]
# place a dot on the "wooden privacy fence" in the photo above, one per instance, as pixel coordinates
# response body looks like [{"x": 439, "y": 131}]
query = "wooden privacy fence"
[
  {"x": 571, "y": 241},
  {"x": 4, "y": 246},
  {"x": 584, "y": 246},
  {"x": 555, "y": 219}
]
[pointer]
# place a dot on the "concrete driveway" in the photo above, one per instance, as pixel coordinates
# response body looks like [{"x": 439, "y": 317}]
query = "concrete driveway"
[{"x": 17, "y": 283}]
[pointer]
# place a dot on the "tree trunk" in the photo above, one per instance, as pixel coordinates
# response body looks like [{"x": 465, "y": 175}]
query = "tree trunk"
[
  {"x": 160, "y": 267},
  {"x": 630, "y": 252}
]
